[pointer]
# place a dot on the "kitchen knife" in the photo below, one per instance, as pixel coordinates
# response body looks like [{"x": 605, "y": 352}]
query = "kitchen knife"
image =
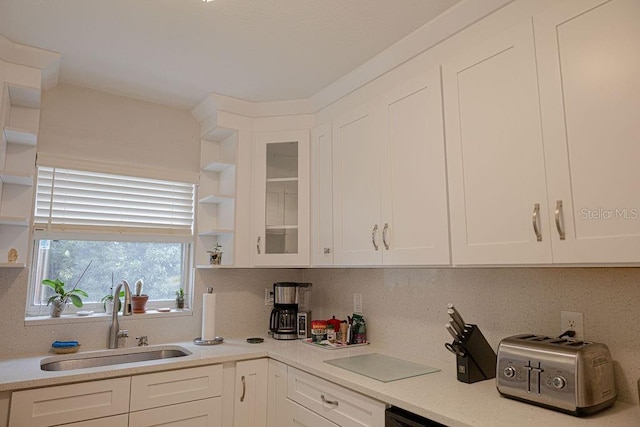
[
  {"x": 456, "y": 328},
  {"x": 456, "y": 315},
  {"x": 453, "y": 332},
  {"x": 456, "y": 318}
]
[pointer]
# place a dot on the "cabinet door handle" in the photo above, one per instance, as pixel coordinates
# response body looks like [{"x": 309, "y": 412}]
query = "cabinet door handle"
[
  {"x": 559, "y": 221},
  {"x": 373, "y": 236},
  {"x": 258, "y": 244},
  {"x": 384, "y": 235},
  {"x": 328, "y": 402},
  {"x": 244, "y": 389},
  {"x": 535, "y": 218}
]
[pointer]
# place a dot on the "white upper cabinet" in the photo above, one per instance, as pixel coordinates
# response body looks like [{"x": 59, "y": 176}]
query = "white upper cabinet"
[
  {"x": 321, "y": 197},
  {"x": 356, "y": 189},
  {"x": 589, "y": 67},
  {"x": 497, "y": 185},
  {"x": 281, "y": 199},
  {"x": 415, "y": 225},
  {"x": 389, "y": 185}
]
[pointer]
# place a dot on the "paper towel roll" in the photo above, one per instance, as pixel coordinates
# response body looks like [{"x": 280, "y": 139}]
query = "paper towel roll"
[{"x": 208, "y": 316}]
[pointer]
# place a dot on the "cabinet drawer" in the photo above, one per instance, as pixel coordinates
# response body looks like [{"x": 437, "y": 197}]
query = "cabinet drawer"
[
  {"x": 201, "y": 413},
  {"x": 121, "y": 420},
  {"x": 344, "y": 407},
  {"x": 69, "y": 403},
  {"x": 171, "y": 387},
  {"x": 301, "y": 416}
]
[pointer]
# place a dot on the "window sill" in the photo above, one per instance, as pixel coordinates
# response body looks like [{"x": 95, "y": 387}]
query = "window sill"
[{"x": 101, "y": 317}]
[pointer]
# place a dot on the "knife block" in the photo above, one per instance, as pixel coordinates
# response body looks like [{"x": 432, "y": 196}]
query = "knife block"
[{"x": 479, "y": 360}]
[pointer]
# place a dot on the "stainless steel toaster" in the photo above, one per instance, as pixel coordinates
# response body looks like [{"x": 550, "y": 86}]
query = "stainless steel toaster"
[{"x": 571, "y": 376}]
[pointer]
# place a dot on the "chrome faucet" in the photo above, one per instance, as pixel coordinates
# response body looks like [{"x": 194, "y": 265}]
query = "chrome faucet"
[{"x": 114, "y": 329}]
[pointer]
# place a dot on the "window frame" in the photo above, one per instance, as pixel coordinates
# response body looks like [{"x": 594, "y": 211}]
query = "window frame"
[{"x": 110, "y": 234}]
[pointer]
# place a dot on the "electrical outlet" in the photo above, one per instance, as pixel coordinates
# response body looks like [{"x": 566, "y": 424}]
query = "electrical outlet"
[
  {"x": 357, "y": 303},
  {"x": 572, "y": 321},
  {"x": 268, "y": 297}
]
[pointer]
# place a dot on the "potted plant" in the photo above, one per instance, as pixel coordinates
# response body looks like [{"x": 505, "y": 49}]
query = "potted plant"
[
  {"x": 62, "y": 296},
  {"x": 139, "y": 300},
  {"x": 215, "y": 257},
  {"x": 107, "y": 302},
  {"x": 180, "y": 298}
]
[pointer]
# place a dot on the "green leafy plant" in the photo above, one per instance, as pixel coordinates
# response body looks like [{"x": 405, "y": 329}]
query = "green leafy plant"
[
  {"x": 109, "y": 297},
  {"x": 63, "y": 295},
  {"x": 217, "y": 248},
  {"x": 180, "y": 294}
]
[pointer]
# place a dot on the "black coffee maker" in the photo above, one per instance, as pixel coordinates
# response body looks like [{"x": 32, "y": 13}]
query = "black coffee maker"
[{"x": 283, "y": 322}]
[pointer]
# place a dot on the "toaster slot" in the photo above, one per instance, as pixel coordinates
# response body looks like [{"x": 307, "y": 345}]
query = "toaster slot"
[
  {"x": 526, "y": 337},
  {"x": 562, "y": 341},
  {"x": 542, "y": 338},
  {"x": 576, "y": 343}
]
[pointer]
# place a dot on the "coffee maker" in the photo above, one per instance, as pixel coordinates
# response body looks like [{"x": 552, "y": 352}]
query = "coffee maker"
[{"x": 288, "y": 298}]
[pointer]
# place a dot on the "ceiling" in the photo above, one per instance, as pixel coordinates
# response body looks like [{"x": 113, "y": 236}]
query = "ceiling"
[{"x": 177, "y": 52}]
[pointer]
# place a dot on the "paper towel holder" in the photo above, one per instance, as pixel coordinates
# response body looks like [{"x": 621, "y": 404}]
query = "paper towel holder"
[
  {"x": 215, "y": 341},
  {"x": 200, "y": 341}
]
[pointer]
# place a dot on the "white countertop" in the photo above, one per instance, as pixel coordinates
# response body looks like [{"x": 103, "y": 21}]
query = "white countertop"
[{"x": 438, "y": 396}]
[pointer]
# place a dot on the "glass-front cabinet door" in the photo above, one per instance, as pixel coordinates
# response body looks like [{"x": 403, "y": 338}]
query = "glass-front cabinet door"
[{"x": 281, "y": 220}]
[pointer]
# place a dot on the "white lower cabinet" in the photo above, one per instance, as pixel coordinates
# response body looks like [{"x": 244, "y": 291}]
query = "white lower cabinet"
[
  {"x": 250, "y": 403},
  {"x": 199, "y": 413},
  {"x": 299, "y": 416},
  {"x": 337, "y": 404},
  {"x": 183, "y": 397},
  {"x": 171, "y": 387},
  {"x": 57, "y": 405},
  {"x": 277, "y": 403}
]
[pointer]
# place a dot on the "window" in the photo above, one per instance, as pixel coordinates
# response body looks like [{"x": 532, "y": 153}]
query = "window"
[{"x": 121, "y": 227}]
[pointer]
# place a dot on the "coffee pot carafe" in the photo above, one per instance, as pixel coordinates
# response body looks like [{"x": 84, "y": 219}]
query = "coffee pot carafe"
[{"x": 288, "y": 299}]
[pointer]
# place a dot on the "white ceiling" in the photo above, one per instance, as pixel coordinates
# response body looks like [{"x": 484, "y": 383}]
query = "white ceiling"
[{"x": 177, "y": 52}]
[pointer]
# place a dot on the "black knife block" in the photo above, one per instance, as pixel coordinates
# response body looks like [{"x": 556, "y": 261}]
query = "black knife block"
[{"x": 479, "y": 360}]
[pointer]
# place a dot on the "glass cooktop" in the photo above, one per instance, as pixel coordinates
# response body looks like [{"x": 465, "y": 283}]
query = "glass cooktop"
[{"x": 382, "y": 368}]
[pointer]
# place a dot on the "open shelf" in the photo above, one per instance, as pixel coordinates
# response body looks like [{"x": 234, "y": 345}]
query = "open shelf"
[
  {"x": 17, "y": 178},
  {"x": 216, "y": 232},
  {"x": 24, "y": 96},
  {"x": 12, "y": 265},
  {"x": 20, "y": 136},
  {"x": 217, "y": 166},
  {"x": 14, "y": 220},
  {"x": 215, "y": 199}
]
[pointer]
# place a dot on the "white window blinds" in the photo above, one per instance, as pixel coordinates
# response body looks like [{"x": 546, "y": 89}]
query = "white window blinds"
[{"x": 79, "y": 201}]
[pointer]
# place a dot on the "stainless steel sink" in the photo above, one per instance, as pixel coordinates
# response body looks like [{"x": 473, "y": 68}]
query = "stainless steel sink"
[{"x": 95, "y": 359}]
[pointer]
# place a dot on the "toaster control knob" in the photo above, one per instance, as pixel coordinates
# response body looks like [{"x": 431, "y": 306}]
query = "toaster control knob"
[
  {"x": 559, "y": 383},
  {"x": 509, "y": 372}
]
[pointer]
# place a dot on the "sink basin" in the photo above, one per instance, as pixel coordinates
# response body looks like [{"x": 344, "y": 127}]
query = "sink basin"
[{"x": 107, "y": 358}]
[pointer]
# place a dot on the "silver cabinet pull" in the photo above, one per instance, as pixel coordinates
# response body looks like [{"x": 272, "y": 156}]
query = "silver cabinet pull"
[
  {"x": 373, "y": 236},
  {"x": 384, "y": 235},
  {"x": 559, "y": 221},
  {"x": 258, "y": 245},
  {"x": 244, "y": 389},
  {"x": 536, "y": 221},
  {"x": 328, "y": 402}
]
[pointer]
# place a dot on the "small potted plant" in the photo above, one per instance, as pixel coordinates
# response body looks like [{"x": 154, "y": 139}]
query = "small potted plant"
[
  {"x": 62, "y": 297},
  {"x": 180, "y": 298},
  {"x": 139, "y": 300},
  {"x": 215, "y": 256}
]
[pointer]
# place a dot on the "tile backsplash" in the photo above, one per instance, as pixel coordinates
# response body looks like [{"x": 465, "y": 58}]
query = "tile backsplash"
[{"x": 405, "y": 308}]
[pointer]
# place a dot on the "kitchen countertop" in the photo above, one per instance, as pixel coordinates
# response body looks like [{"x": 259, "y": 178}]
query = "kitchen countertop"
[{"x": 437, "y": 396}]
